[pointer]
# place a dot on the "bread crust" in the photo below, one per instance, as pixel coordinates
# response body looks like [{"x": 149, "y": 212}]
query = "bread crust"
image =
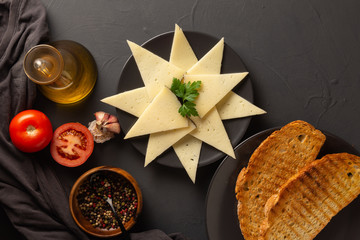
[
  {"x": 312, "y": 197},
  {"x": 276, "y": 159}
]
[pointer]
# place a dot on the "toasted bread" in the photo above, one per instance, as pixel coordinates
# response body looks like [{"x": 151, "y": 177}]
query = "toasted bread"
[
  {"x": 306, "y": 203},
  {"x": 277, "y": 158}
]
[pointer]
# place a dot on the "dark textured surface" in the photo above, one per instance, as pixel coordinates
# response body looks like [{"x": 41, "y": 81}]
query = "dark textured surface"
[{"x": 303, "y": 59}]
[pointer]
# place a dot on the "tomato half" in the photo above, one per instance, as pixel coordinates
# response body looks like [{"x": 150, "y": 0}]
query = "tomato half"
[
  {"x": 30, "y": 131},
  {"x": 72, "y": 144}
]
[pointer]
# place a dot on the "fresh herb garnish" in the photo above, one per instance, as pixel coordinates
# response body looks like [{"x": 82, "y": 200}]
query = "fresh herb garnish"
[{"x": 187, "y": 93}]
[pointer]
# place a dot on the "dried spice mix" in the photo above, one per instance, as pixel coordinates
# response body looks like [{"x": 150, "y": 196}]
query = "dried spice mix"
[{"x": 92, "y": 200}]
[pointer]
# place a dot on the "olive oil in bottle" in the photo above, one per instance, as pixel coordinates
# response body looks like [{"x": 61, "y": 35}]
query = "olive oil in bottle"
[{"x": 65, "y": 71}]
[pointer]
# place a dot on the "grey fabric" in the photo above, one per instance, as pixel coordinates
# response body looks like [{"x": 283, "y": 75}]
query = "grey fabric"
[{"x": 30, "y": 194}]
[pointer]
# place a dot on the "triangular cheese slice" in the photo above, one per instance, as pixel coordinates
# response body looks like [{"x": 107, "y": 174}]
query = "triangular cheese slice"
[
  {"x": 210, "y": 63},
  {"x": 234, "y": 106},
  {"x": 155, "y": 71},
  {"x": 188, "y": 151},
  {"x": 188, "y": 148},
  {"x": 134, "y": 101},
  {"x": 181, "y": 54},
  {"x": 159, "y": 142},
  {"x": 211, "y": 130},
  {"x": 161, "y": 115},
  {"x": 213, "y": 88}
]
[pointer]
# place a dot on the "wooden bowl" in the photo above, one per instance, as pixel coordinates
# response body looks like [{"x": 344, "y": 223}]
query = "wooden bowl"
[{"x": 83, "y": 223}]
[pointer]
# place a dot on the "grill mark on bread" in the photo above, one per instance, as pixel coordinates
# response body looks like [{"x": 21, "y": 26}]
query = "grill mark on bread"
[
  {"x": 316, "y": 198},
  {"x": 291, "y": 227},
  {"x": 297, "y": 207},
  {"x": 330, "y": 188},
  {"x": 320, "y": 187},
  {"x": 305, "y": 193},
  {"x": 278, "y": 157},
  {"x": 339, "y": 173}
]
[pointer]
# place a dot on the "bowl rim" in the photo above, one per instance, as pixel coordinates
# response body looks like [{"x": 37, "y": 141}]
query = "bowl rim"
[{"x": 75, "y": 212}]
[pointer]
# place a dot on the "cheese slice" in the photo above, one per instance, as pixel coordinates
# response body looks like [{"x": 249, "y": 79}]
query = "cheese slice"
[
  {"x": 211, "y": 130},
  {"x": 234, "y": 106},
  {"x": 161, "y": 141},
  {"x": 210, "y": 63},
  {"x": 154, "y": 70},
  {"x": 188, "y": 151},
  {"x": 134, "y": 101},
  {"x": 188, "y": 148},
  {"x": 181, "y": 54},
  {"x": 213, "y": 88},
  {"x": 161, "y": 115}
]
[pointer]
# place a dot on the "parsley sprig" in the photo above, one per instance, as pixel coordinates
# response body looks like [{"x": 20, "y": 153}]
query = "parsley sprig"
[{"x": 187, "y": 93}]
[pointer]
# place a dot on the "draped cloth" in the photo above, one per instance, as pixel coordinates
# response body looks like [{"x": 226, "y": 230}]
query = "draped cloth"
[{"x": 30, "y": 193}]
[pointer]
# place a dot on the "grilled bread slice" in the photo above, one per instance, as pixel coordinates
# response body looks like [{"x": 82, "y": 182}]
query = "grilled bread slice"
[
  {"x": 277, "y": 158},
  {"x": 306, "y": 203}
]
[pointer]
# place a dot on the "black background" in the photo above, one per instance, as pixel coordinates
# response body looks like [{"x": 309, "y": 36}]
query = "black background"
[{"x": 303, "y": 58}]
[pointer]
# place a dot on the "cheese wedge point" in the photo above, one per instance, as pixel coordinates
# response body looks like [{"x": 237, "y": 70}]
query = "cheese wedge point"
[
  {"x": 211, "y": 130},
  {"x": 134, "y": 101},
  {"x": 213, "y": 88},
  {"x": 154, "y": 70},
  {"x": 210, "y": 63},
  {"x": 181, "y": 54},
  {"x": 188, "y": 151},
  {"x": 234, "y": 106},
  {"x": 161, "y": 115},
  {"x": 161, "y": 141},
  {"x": 188, "y": 148}
]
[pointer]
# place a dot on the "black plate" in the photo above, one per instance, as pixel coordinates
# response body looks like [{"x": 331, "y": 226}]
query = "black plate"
[
  {"x": 221, "y": 216},
  {"x": 201, "y": 43}
]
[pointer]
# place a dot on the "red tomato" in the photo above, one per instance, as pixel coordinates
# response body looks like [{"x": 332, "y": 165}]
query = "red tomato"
[
  {"x": 30, "y": 131},
  {"x": 72, "y": 144}
]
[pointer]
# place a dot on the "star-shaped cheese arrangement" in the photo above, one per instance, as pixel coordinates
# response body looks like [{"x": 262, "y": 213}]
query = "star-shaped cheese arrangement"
[{"x": 152, "y": 102}]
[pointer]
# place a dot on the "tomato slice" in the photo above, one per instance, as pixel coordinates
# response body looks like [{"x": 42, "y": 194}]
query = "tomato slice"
[{"x": 72, "y": 144}]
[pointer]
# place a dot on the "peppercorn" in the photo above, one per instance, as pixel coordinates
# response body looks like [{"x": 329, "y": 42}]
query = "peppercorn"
[{"x": 92, "y": 200}]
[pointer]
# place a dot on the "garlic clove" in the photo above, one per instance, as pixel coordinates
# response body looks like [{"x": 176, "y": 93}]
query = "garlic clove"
[
  {"x": 112, "y": 119},
  {"x": 104, "y": 127},
  {"x": 113, "y": 127},
  {"x": 99, "y": 116}
]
